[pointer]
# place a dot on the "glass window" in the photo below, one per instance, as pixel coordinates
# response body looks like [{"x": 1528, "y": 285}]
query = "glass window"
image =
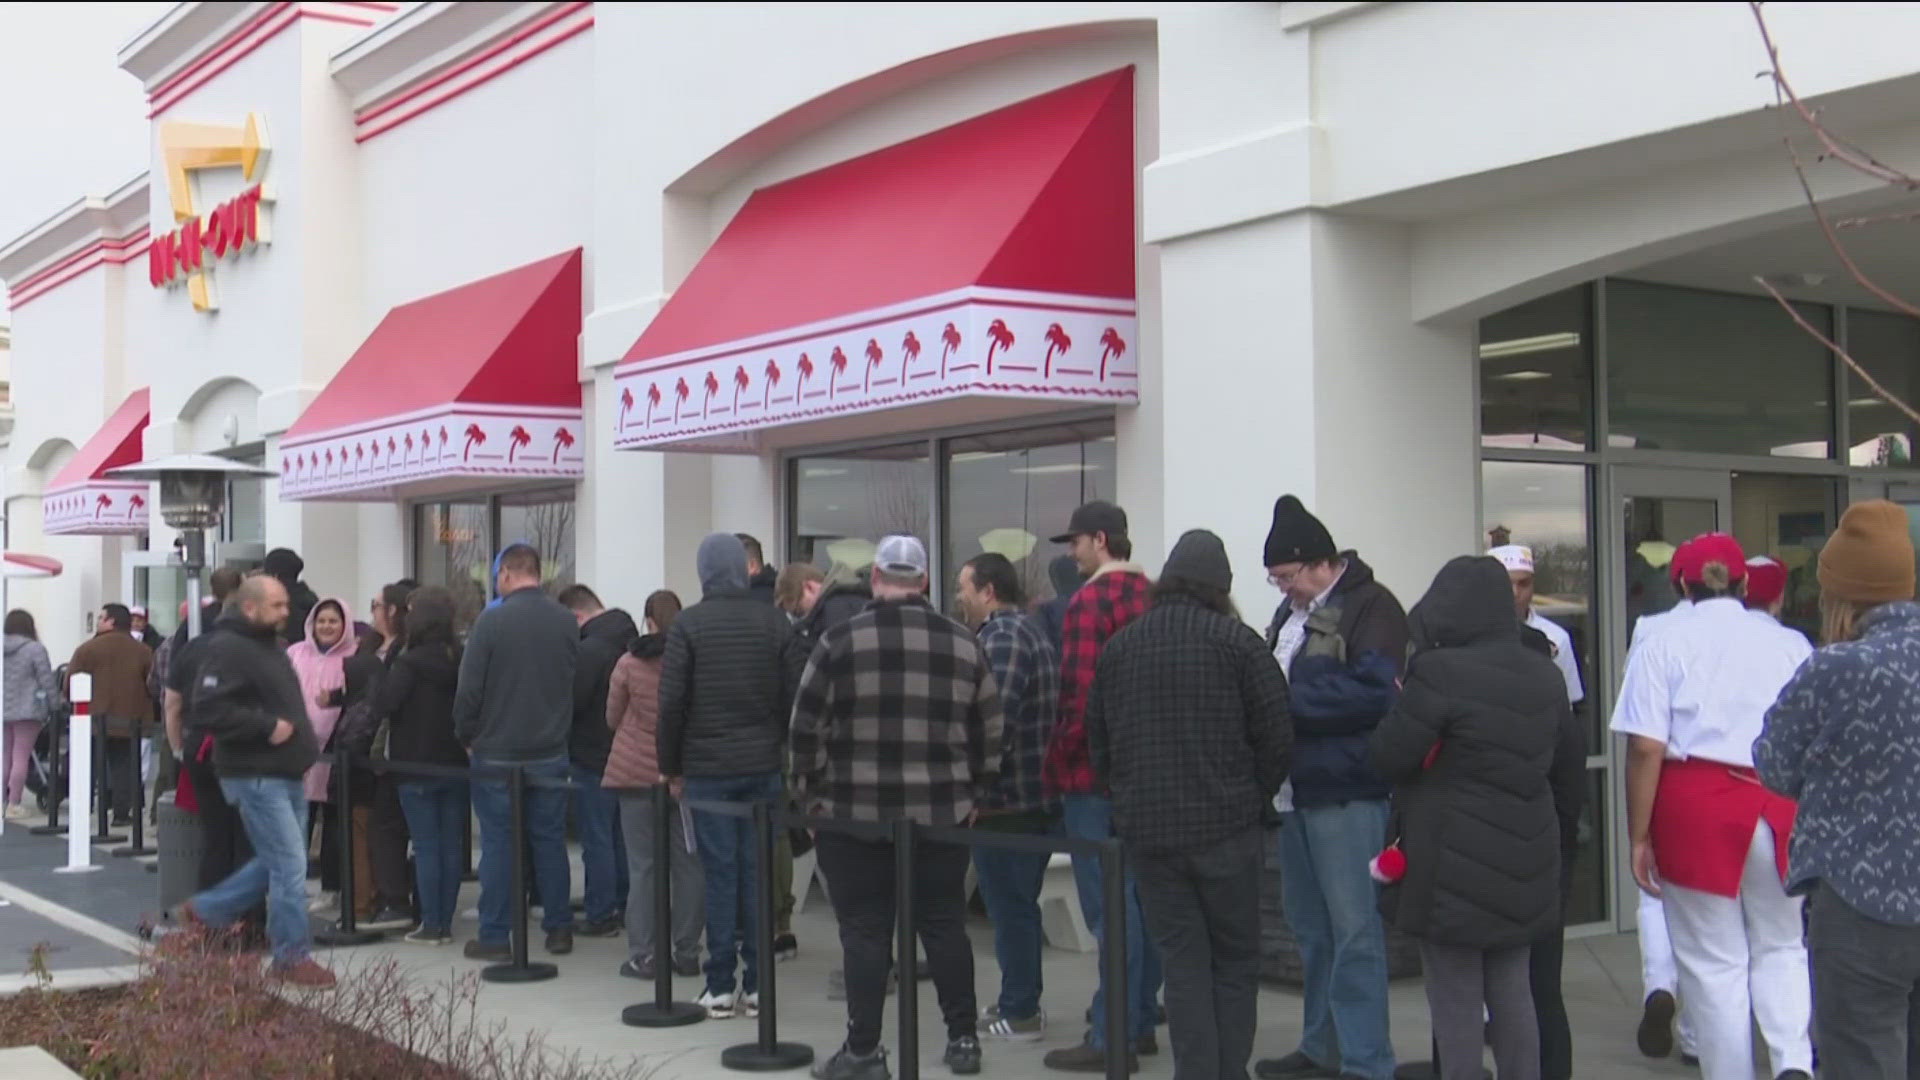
[
  {"x": 1789, "y": 518},
  {"x": 1545, "y": 508},
  {"x": 545, "y": 519},
  {"x": 844, "y": 504},
  {"x": 245, "y": 521},
  {"x": 453, "y": 549},
  {"x": 1592, "y": 859},
  {"x": 1008, "y": 491},
  {"x": 1888, "y": 346},
  {"x": 1715, "y": 372},
  {"x": 1536, "y": 374}
]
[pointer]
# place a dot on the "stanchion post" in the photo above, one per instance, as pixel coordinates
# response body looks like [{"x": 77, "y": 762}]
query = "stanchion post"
[
  {"x": 103, "y": 832},
  {"x": 466, "y": 847},
  {"x": 346, "y": 932},
  {"x": 136, "y": 781},
  {"x": 79, "y": 775},
  {"x": 1113, "y": 956},
  {"x": 768, "y": 1053},
  {"x": 56, "y": 780},
  {"x": 519, "y": 969},
  {"x": 663, "y": 1011},
  {"x": 907, "y": 956}
]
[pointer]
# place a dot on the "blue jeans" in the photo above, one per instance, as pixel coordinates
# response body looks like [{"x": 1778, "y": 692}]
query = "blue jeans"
[
  {"x": 1010, "y": 886},
  {"x": 603, "y": 853},
  {"x": 546, "y": 835},
  {"x": 1331, "y": 903},
  {"x": 726, "y": 853},
  {"x": 1090, "y": 817},
  {"x": 274, "y": 810},
  {"x": 436, "y": 809}
]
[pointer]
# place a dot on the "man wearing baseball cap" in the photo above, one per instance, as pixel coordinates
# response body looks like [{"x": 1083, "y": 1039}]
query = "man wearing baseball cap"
[
  {"x": 897, "y": 716},
  {"x": 1518, "y": 559},
  {"x": 1707, "y": 837}
]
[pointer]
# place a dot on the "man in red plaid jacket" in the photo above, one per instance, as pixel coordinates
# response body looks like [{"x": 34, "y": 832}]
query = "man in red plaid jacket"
[{"x": 1115, "y": 594}]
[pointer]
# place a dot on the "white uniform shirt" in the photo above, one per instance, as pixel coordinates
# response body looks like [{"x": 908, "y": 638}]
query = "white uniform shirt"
[
  {"x": 1293, "y": 634},
  {"x": 1562, "y": 643},
  {"x": 1703, "y": 684}
]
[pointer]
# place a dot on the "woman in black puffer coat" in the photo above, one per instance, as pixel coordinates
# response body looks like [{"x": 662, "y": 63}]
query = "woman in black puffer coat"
[{"x": 1476, "y": 818}]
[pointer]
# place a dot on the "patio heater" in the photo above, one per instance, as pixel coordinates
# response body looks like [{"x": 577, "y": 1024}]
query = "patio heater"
[{"x": 193, "y": 496}]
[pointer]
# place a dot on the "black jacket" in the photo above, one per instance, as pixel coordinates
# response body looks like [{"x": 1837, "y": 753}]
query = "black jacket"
[
  {"x": 1479, "y": 827},
  {"x": 416, "y": 698},
  {"x": 1187, "y": 723},
  {"x": 726, "y": 691},
  {"x": 763, "y": 585},
  {"x": 603, "y": 640},
  {"x": 835, "y": 605},
  {"x": 1342, "y": 682},
  {"x": 515, "y": 702},
  {"x": 300, "y": 603},
  {"x": 243, "y": 687}
]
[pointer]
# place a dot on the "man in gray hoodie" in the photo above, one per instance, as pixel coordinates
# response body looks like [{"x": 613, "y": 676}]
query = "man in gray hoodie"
[{"x": 725, "y": 696}]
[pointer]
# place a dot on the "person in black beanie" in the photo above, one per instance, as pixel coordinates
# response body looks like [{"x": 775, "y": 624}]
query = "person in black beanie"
[
  {"x": 1341, "y": 637},
  {"x": 287, "y": 566}
]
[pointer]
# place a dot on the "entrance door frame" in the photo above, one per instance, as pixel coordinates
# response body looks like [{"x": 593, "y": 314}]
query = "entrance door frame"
[{"x": 1621, "y": 483}]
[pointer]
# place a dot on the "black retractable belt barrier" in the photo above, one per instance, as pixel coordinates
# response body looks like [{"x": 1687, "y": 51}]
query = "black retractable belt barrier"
[
  {"x": 907, "y": 957},
  {"x": 768, "y": 1053},
  {"x": 56, "y": 781},
  {"x": 1113, "y": 956},
  {"x": 346, "y": 932},
  {"x": 138, "y": 783},
  {"x": 663, "y": 1011},
  {"x": 519, "y": 969},
  {"x": 102, "y": 786}
]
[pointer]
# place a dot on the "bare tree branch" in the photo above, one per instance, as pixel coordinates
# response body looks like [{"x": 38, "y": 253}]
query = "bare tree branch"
[{"x": 1855, "y": 365}]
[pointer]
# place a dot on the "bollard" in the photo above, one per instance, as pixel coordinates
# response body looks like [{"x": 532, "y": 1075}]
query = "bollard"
[
  {"x": 663, "y": 1011},
  {"x": 519, "y": 969},
  {"x": 1113, "y": 956},
  {"x": 768, "y": 1053},
  {"x": 907, "y": 958},
  {"x": 346, "y": 932},
  {"x": 138, "y": 846},
  {"x": 104, "y": 833},
  {"x": 56, "y": 780},
  {"x": 79, "y": 774}
]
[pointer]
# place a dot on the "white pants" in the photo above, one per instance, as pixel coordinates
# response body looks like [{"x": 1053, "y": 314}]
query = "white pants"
[
  {"x": 1656, "y": 965},
  {"x": 1743, "y": 959}
]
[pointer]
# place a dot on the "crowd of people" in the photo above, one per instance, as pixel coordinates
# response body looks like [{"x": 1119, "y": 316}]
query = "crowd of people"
[{"x": 1422, "y": 770}]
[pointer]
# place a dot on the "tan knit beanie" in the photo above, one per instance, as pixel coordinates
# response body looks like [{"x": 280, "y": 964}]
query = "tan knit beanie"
[{"x": 1870, "y": 556}]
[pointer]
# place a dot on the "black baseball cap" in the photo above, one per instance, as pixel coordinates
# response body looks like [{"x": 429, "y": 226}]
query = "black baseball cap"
[{"x": 1094, "y": 517}]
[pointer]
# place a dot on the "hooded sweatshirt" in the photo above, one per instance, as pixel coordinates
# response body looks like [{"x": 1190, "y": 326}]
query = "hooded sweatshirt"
[
  {"x": 725, "y": 691},
  {"x": 29, "y": 679},
  {"x": 603, "y": 640},
  {"x": 323, "y": 680}
]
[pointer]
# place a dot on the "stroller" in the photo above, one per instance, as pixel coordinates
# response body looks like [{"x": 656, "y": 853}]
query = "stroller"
[{"x": 41, "y": 771}]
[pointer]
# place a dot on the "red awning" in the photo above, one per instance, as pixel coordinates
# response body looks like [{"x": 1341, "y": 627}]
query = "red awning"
[
  {"x": 81, "y": 500},
  {"x": 474, "y": 386},
  {"x": 993, "y": 258}
]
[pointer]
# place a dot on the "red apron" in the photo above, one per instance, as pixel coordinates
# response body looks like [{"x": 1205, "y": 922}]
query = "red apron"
[{"x": 1703, "y": 820}]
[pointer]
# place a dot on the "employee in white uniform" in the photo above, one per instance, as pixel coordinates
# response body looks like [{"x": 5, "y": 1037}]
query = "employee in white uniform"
[
  {"x": 1707, "y": 837},
  {"x": 1766, "y": 586},
  {"x": 1518, "y": 559}
]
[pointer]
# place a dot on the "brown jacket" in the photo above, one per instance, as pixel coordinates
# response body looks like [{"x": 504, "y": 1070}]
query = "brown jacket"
[
  {"x": 119, "y": 663},
  {"x": 633, "y": 712}
]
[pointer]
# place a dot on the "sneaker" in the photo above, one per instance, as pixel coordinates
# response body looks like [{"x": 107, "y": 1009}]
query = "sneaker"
[
  {"x": 17, "y": 812},
  {"x": 845, "y": 1065},
  {"x": 611, "y": 926},
  {"x": 1655, "y": 1034},
  {"x": 686, "y": 967},
  {"x": 638, "y": 969},
  {"x": 426, "y": 936},
  {"x": 750, "y": 1005},
  {"x": 304, "y": 973},
  {"x": 387, "y": 918},
  {"x": 963, "y": 1055},
  {"x": 1146, "y": 1045},
  {"x": 327, "y": 904},
  {"x": 785, "y": 947},
  {"x": 495, "y": 953},
  {"x": 1084, "y": 1059},
  {"x": 1295, "y": 1066},
  {"x": 718, "y": 1006},
  {"x": 560, "y": 942},
  {"x": 996, "y": 1026}
]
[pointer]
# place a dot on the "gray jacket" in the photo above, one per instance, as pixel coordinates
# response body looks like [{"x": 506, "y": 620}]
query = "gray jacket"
[
  {"x": 29, "y": 679},
  {"x": 515, "y": 701}
]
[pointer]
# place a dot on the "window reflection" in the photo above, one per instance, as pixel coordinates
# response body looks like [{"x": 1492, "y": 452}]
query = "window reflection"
[
  {"x": 1009, "y": 491},
  {"x": 844, "y": 504},
  {"x": 544, "y": 519},
  {"x": 1536, "y": 373},
  {"x": 1789, "y": 518},
  {"x": 1888, "y": 346},
  {"x": 1545, "y": 508},
  {"x": 453, "y": 550}
]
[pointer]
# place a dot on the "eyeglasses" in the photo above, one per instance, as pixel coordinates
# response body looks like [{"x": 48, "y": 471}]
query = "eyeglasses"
[{"x": 1284, "y": 579}]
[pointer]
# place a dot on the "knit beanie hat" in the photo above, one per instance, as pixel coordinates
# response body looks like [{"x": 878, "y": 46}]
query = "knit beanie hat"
[
  {"x": 1869, "y": 559},
  {"x": 1199, "y": 556},
  {"x": 1296, "y": 536}
]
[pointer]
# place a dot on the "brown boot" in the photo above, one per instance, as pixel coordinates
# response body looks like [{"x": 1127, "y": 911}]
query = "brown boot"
[{"x": 304, "y": 972}]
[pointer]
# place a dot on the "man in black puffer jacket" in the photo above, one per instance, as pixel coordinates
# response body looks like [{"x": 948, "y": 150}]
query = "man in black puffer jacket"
[
  {"x": 604, "y": 637},
  {"x": 725, "y": 698},
  {"x": 1484, "y": 751}
]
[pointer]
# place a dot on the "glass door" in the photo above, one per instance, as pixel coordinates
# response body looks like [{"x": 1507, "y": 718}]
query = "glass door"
[
  {"x": 155, "y": 581},
  {"x": 1652, "y": 512}
]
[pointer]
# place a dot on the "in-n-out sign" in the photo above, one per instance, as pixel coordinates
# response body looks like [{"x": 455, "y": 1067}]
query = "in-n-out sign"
[{"x": 186, "y": 253}]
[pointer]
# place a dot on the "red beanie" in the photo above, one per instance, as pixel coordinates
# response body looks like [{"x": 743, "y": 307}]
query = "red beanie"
[{"x": 1766, "y": 581}]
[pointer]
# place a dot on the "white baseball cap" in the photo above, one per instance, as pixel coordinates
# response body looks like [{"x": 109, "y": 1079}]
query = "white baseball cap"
[
  {"x": 1517, "y": 558},
  {"x": 901, "y": 556}
]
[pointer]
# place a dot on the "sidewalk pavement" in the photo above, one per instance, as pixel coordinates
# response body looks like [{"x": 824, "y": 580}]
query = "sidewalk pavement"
[{"x": 580, "y": 1010}]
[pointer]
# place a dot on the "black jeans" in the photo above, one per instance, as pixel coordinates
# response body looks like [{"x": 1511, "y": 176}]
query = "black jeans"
[
  {"x": 860, "y": 879},
  {"x": 118, "y": 781},
  {"x": 1202, "y": 910},
  {"x": 1866, "y": 986},
  {"x": 1549, "y": 1006}
]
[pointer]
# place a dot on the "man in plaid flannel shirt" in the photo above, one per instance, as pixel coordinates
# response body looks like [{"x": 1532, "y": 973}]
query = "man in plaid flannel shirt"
[
  {"x": 1028, "y": 671},
  {"x": 898, "y": 716},
  {"x": 1114, "y": 595}
]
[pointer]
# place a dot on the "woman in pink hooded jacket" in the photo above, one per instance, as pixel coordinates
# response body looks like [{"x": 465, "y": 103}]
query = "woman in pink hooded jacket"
[{"x": 320, "y": 661}]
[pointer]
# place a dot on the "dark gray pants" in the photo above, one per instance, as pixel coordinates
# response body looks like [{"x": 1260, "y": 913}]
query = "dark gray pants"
[
  {"x": 1202, "y": 910},
  {"x": 687, "y": 914},
  {"x": 1460, "y": 980},
  {"x": 1866, "y": 986}
]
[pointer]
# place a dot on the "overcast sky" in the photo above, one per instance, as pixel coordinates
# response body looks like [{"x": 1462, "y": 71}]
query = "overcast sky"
[{"x": 75, "y": 124}]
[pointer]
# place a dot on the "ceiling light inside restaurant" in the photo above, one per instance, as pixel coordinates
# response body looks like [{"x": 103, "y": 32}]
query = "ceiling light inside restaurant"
[
  {"x": 1524, "y": 376},
  {"x": 1495, "y": 350}
]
